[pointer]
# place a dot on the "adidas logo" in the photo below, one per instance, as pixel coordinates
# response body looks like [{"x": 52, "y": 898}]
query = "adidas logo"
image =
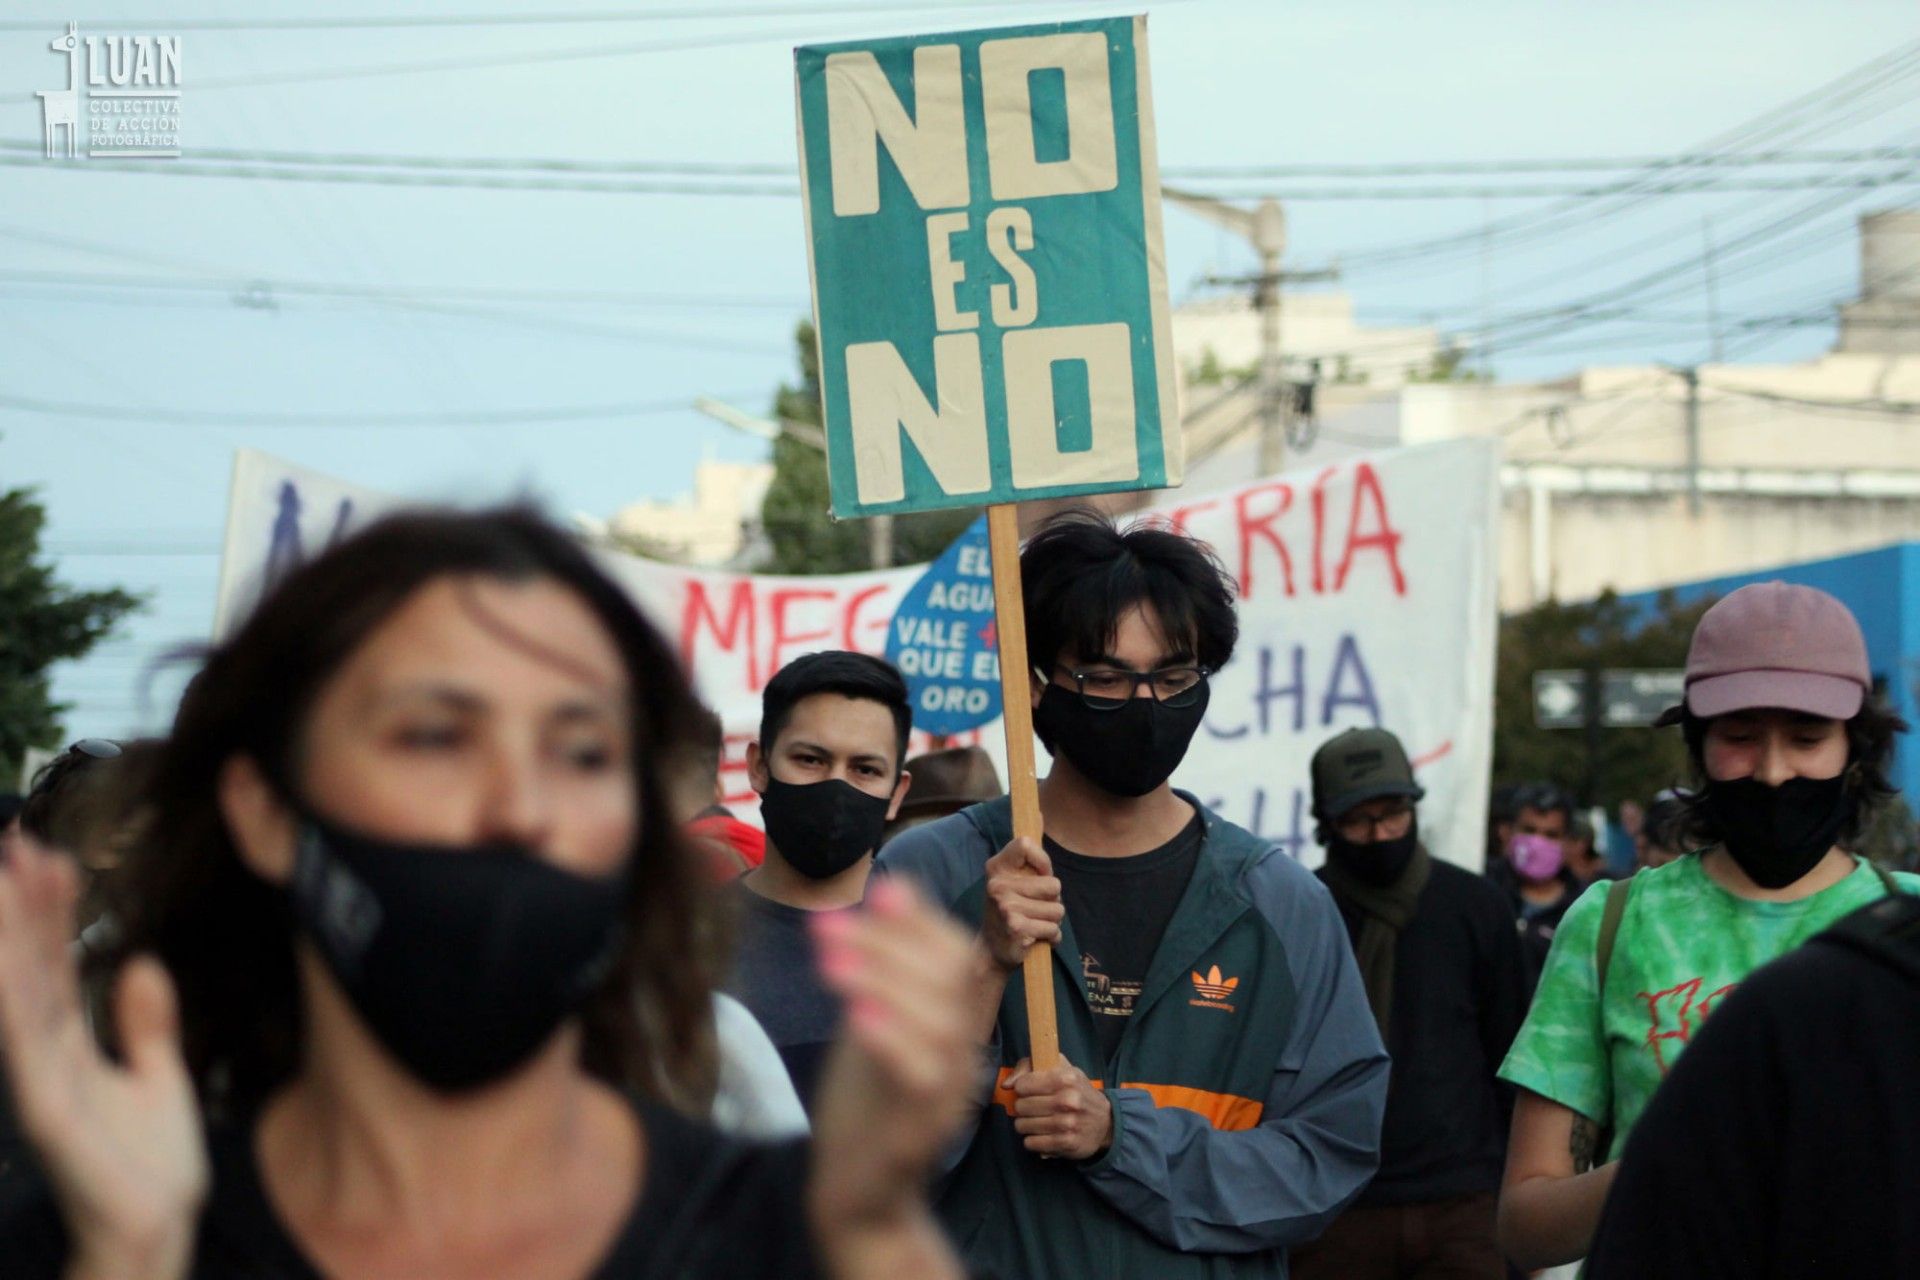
[{"x": 1215, "y": 992}]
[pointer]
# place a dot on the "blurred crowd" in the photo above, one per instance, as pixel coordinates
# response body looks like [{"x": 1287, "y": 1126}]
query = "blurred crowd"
[{"x": 424, "y": 943}]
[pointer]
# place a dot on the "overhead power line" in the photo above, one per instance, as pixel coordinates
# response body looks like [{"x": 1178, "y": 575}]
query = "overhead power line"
[
  {"x": 398, "y": 178},
  {"x": 264, "y": 291},
  {"x": 1740, "y": 260},
  {"x": 583, "y": 53},
  {"x": 785, "y": 168},
  {"x": 1900, "y": 408},
  {"x": 266, "y": 294},
  {"x": 467, "y": 418},
  {"x": 245, "y": 291},
  {"x": 790, "y": 190},
  {"x": 285, "y": 79},
  {"x": 1745, "y": 252},
  {"x": 1570, "y": 164},
  {"x": 583, "y": 17},
  {"x": 1800, "y": 117}
]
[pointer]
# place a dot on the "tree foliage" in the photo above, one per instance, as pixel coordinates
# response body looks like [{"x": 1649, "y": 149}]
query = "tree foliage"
[
  {"x": 1632, "y": 764},
  {"x": 802, "y": 537},
  {"x": 41, "y": 623}
]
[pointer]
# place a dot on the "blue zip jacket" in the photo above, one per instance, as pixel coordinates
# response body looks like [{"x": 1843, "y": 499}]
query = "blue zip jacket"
[{"x": 1247, "y": 1088}]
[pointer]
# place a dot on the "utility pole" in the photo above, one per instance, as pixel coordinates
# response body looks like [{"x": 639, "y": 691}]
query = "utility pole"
[
  {"x": 1269, "y": 240},
  {"x": 1265, "y": 228},
  {"x": 1692, "y": 376},
  {"x": 1713, "y": 292},
  {"x": 1689, "y": 374}
]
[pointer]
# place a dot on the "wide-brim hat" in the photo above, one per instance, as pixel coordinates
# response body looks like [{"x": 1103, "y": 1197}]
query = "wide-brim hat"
[{"x": 950, "y": 779}]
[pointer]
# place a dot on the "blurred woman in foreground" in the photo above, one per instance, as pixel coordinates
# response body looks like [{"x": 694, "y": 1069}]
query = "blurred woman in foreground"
[{"x": 417, "y": 969}]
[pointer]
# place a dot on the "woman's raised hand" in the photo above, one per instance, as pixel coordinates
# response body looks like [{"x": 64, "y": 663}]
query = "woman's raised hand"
[
  {"x": 120, "y": 1142},
  {"x": 898, "y": 1086}
]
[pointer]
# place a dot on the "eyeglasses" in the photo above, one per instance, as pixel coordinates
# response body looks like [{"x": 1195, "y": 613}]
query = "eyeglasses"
[
  {"x": 1391, "y": 823},
  {"x": 1109, "y": 689},
  {"x": 98, "y": 748}
]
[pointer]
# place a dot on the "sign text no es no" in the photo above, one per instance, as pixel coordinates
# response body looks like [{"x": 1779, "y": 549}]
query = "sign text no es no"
[{"x": 990, "y": 292}]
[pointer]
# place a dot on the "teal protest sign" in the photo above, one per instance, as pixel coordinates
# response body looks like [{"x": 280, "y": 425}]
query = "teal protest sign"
[{"x": 983, "y": 214}]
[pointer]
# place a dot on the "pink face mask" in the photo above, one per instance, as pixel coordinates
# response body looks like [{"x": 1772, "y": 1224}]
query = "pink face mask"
[{"x": 1534, "y": 857}]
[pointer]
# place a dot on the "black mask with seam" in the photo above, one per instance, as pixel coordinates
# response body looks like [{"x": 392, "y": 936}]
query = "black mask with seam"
[
  {"x": 1128, "y": 751},
  {"x": 461, "y": 960},
  {"x": 1778, "y": 834},
  {"x": 822, "y": 828}
]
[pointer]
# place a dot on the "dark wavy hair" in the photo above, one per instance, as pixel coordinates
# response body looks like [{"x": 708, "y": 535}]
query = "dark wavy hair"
[
  {"x": 227, "y": 936},
  {"x": 1870, "y": 735},
  {"x": 1542, "y": 797},
  {"x": 1082, "y": 573},
  {"x": 72, "y": 797}
]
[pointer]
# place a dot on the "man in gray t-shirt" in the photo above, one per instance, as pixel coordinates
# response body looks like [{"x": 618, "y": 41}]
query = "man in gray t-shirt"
[{"x": 833, "y": 731}]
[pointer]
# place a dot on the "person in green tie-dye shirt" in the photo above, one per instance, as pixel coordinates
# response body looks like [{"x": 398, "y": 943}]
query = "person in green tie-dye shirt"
[{"x": 1791, "y": 751}]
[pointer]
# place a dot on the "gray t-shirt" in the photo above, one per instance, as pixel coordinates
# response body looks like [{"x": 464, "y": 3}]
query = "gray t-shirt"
[{"x": 775, "y": 976}]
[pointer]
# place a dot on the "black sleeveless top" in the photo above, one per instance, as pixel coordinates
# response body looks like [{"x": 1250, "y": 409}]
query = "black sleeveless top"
[{"x": 712, "y": 1206}]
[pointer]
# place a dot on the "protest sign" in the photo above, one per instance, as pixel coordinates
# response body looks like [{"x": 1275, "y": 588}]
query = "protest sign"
[
  {"x": 278, "y": 515},
  {"x": 942, "y": 637},
  {"x": 1367, "y": 597},
  {"x": 990, "y": 298},
  {"x": 732, "y": 630}
]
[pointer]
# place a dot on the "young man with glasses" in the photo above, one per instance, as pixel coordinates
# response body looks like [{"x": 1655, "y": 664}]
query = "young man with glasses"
[
  {"x": 1446, "y": 977},
  {"x": 1223, "y": 1083}
]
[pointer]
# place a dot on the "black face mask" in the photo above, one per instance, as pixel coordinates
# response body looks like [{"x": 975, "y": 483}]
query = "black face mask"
[
  {"x": 1126, "y": 752},
  {"x": 1379, "y": 863},
  {"x": 822, "y": 828},
  {"x": 1778, "y": 834},
  {"x": 463, "y": 962}
]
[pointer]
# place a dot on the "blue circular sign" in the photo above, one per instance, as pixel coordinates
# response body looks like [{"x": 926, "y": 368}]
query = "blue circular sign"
[{"x": 944, "y": 641}]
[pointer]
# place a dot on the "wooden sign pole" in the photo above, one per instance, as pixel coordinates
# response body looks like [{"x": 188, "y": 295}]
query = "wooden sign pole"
[{"x": 1010, "y": 623}]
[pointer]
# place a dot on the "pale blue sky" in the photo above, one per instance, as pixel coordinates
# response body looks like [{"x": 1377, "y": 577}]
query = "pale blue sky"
[{"x": 141, "y": 502}]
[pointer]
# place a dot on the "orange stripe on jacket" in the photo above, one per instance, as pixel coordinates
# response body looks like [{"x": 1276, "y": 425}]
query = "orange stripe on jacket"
[{"x": 1225, "y": 1111}]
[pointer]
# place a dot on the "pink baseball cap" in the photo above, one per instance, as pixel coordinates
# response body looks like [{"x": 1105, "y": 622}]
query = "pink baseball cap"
[{"x": 1776, "y": 644}]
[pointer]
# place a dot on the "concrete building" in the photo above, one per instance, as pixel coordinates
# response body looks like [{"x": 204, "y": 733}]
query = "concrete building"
[
  {"x": 1886, "y": 318},
  {"x": 1635, "y": 478},
  {"x": 1625, "y": 478},
  {"x": 1317, "y": 326},
  {"x": 1641, "y": 477},
  {"x": 708, "y": 527}
]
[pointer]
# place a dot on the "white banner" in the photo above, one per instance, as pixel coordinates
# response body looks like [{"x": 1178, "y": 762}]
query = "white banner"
[{"x": 1367, "y": 598}]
